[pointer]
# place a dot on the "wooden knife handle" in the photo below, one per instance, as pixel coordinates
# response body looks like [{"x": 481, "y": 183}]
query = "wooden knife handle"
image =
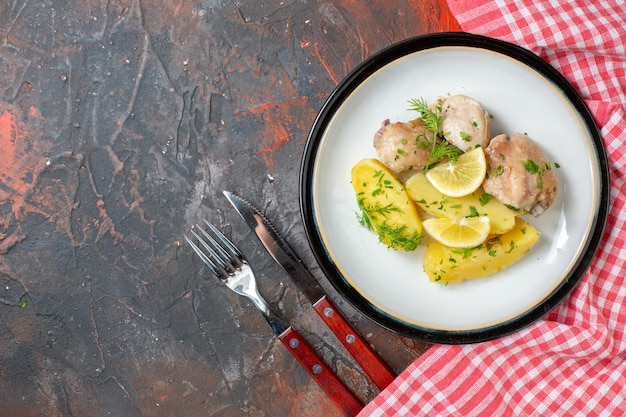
[
  {"x": 361, "y": 351},
  {"x": 320, "y": 372}
]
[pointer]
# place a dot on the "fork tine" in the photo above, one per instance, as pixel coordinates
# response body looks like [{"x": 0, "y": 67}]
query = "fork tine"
[
  {"x": 216, "y": 250},
  {"x": 202, "y": 256},
  {"x": 230, "y": 245},
  {"x": 212, "y": 247}
]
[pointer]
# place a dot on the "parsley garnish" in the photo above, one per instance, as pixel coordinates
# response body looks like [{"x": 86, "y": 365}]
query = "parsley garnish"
[
  {"x": 512, "y": 246},
  {"x": 465, "y": 253},
  {"x": 484, "y": 199},
  {"x": 533, "y": 168},
  {"x": 497, "y": 170},
  {"x": 473, "y": 212}
]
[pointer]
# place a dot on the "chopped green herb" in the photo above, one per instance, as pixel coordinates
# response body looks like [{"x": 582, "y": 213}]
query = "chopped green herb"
[
  {"x": 464, "y": 136},
  {"x": 519, "y": 211},
  {"x": 512, "y": 246},
  {"x": 484, "y": 199},
  {"x": 497, "y": 171},
  {"x": 464, "y": 252},
  {"x": 533, "y": 168},
  {"x": 473, "y": 212}
]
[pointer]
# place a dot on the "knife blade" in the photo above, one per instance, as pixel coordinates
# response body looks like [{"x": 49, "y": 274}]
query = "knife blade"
[{"x": 377, "y": 370}]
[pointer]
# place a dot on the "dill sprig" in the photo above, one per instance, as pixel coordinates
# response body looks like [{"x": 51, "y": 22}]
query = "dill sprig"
[
  {"x": 430, "y": 117},
  {"x": 370, "y": 213},
  {"x": 372, "y": 217},
  {"x": 440, "y": 148}
]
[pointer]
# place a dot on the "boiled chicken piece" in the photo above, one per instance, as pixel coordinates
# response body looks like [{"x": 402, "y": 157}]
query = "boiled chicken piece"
[
  {"x": 397, "y": 145},
  {"x": 465, "y": 123},
  {"x": 520, "y": 174}
]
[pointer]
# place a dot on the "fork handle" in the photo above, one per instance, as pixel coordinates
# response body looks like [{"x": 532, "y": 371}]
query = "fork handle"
[
  {"x": 323, "y": 375},
  {"x": 355, "y": 344}
]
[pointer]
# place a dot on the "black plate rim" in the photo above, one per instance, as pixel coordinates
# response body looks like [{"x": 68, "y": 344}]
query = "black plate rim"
[{"x": 333, "y": 103}]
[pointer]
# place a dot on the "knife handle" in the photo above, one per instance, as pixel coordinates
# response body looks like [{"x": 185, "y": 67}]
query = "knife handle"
[
  {"x": 327, "y": 380},
  {"x": 363, "y": 354}
]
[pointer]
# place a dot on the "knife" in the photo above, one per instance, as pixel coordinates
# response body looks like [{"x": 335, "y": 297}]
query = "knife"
[
  {"x": 218, "y": 257},
  {"x": 378, "y": 371}
]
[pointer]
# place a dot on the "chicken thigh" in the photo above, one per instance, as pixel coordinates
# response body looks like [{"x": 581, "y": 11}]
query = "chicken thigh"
[
  {"x": 464, "y": 122},
  {"x": 398, "y": 145},
  {"x": 520, "y": 174}
]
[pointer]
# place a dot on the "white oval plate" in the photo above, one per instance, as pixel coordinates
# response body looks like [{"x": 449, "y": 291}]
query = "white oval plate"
[{"x": 524, "y": 94}]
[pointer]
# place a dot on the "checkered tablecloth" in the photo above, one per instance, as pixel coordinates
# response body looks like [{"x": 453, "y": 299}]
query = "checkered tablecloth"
[{"x": 573, "y": 361}]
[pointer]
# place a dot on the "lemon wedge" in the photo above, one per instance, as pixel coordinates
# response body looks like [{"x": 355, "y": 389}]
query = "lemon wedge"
[
  {"x": 460, "y": 232},
  {"x": 461, "y": 177}
]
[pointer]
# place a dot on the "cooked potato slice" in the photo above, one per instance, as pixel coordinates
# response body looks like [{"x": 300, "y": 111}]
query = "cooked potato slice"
[
  {"x": 478, "y": 203},
  {"x": 448, "y": 265},
  {"x": 385, "y": 207}
]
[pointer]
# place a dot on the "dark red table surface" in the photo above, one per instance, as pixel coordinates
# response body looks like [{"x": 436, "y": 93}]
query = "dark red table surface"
[{"x": 120, "y": 124}]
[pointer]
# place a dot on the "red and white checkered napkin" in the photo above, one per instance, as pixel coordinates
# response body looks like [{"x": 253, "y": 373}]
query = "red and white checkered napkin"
[{"x": 573, "y": 362}]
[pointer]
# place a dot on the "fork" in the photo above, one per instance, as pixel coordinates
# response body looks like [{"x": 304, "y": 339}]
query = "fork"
[{"x": 228, "y": 264}]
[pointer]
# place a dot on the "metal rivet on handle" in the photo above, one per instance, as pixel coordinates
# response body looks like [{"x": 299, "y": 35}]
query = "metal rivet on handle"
[
  {"x": 317, "y": 369},
  {"x": 294, "y": 343},
  {"x": 350, "y": 338},
  {"x": 328, "y": 311}
]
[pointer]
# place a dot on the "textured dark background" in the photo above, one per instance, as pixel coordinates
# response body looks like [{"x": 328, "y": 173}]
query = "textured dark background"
[{"x": 121, "y": 121}]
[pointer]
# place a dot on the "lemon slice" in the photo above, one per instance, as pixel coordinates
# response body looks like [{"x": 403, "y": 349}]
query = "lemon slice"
[
  {"x": 461, "y": 177},
  {"x": 460, "y": 232}
]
